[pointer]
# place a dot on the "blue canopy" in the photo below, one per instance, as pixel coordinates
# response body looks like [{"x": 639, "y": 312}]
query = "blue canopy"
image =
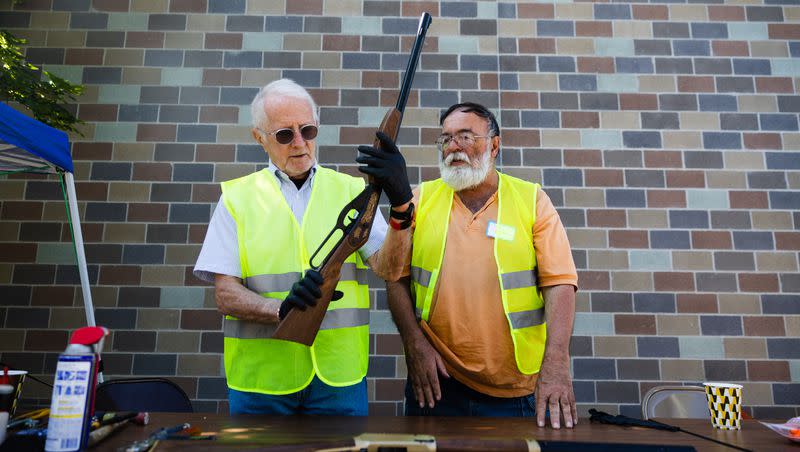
[{"x": 27, "y": 144}]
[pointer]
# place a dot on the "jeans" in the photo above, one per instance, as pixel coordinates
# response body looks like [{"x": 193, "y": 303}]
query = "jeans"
[
  {"x": 317, "y": 398},
  {"x": 460, "y": 400}
]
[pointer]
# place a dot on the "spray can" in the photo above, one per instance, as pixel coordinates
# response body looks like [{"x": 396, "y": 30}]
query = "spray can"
[{"x": 74, "y": 387}]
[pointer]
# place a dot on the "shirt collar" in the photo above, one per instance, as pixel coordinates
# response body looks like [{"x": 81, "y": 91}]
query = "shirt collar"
[{"x": 284, "y": 178}]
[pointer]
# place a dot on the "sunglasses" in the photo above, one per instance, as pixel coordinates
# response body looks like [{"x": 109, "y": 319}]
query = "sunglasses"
[{"x": 285, "y": 136}]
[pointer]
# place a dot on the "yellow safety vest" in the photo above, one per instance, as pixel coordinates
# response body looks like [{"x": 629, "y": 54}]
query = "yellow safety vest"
[
  {"x": 274, "y": 251},
  {"x": 515, "y": 258}
]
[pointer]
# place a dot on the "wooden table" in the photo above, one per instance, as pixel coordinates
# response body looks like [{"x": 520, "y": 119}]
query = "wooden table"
[{"x": 310, "y": 432}]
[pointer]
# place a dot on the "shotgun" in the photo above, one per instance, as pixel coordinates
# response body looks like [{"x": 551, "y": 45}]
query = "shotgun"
[{"x": 354, "y": 222}]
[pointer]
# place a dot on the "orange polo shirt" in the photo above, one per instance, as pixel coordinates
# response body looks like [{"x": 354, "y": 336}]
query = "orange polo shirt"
[{"x": 467, "y": 323}]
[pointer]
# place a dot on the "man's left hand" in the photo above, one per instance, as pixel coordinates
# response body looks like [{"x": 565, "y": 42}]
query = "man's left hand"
[
  {"x": 388, "y": 167},
  {"x": 554, "y": 391}
]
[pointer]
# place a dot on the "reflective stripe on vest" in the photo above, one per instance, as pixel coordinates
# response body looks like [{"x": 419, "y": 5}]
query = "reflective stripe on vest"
[
  {"x": 274, "y": 250},
  {"x": 515, "y": 260}
]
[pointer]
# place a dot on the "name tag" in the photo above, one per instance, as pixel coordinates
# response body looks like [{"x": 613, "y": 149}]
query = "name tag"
[{"x": 500, "y": 231}]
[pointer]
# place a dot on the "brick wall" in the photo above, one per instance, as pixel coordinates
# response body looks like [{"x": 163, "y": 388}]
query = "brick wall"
[{"x": 666, "y": 135}]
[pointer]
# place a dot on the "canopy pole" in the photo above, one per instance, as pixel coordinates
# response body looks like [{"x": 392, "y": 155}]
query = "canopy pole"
[{"x": 81, "y": 255}]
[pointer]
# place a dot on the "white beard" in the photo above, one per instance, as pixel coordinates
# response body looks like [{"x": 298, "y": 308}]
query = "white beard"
[{"x": 467, "y": 176}]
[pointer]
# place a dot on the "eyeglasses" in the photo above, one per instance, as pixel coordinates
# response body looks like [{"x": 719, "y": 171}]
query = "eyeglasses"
[
  {"x": 462, "y": 139},
  {"x": 285, "y": 136}
]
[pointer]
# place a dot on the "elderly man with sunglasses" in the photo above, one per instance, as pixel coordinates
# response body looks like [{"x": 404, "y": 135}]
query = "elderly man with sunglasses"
[
  {"x": 493, "y": 284},
  {"x": 257, "y": 251}
]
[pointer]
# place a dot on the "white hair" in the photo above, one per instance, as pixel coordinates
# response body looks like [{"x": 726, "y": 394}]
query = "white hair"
[
  {"x": 279, "y": 88},
  {"x": 464, "y": 177}
]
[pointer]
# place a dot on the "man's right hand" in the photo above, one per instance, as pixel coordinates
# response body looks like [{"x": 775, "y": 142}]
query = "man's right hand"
[
  {"x": 304, "y": 293},
  {"x": 424, "y": 367}
]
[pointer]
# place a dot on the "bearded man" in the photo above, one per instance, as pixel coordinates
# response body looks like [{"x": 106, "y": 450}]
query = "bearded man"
[{"x": 493, "y": 286}]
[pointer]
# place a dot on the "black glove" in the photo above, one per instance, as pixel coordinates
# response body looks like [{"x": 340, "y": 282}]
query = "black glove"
[
  {"x": 305, "y": 293},
  {"x": 388, "y": 166}
]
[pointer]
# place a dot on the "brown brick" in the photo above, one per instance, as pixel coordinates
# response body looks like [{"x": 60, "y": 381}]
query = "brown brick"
[
  {"x": 669, "y": 281},
  {"x": 663, "y": 159},
  {"x": 46, "y": 340},
  {"x": 634, "y": 324},
  {"x": 784, "y": 31},
  {"x": 190, "y": 280},
  {"x": 522, "y": 138},
  {"x": 126, "y": 275},
  {"x": 389, "y": 98},
  {"x": 188, "y": 6},
  {"x": 489, "y": 82},
  {"x": 330, "y": 97},
  {"x": 748, "y": 199},
  {"x": 583, "y": 157},
  {"x": 612, "y": 218},
  {"x": 580, "y": 119},
  {"x": 600, "y": 65},
  {"x": 206, "y": 192},
  {"x": 787, "y": 240},
  {"x": 224, "y": 40},
  {"x": 201, "y": 319},
  {"x": 696, "y": 303},
  {"x": 594, "y": 280},
  {"x": 762, "y": 141},
  {"x": 771, "y": 370},
  {"x": 415, "y": 9},
  {"x": 356, "y": 135},
  {"x": 520, "y": 99},
  {"x": 341, "y": 42},
  {"x": 52, "y": 295},
  {"x": 156, "y": 132},
  {"x": 389, "y": 388},
  {"x": 774, "y": 85},
  {"x": 431, "y": 44},
  {"x": 215, "y": 153},
  {"x": 763, "y": 325},
  {"x": 92, "y": 233},
  {"x": 219, "y": 115},
  {"x": 110, "y": 5},
  {"x": 730, "y": 48},
  {"x": 666, "y": 198},
  {"x": 686, "y": 179},
  {"x": 604, "y": 178},
  {"x": 92, "y": 151},
  {"x": 758, "y": 282},
  {"x": 97, "y": 112},
  {"x": 593, "y": 28},
  {"x": 535, "y": 11},
  {"x": 197, "y": 233},
  {"x": 537, "y": 45},
  {"x": 696, "y": 84},
  {"x": 638, "y": 101},
  {"x": 22, "y": 210},
  {"x": 627, "y": 239},
  {"x": 148, "y": 212},
  {"x": 304, "y": 7},
  {"x": 92, "y": 191},
  {"x": 161, "y": 171},
  {"x": 713, "y": 240},
  {"x": 650, "y": 12},
  {"x": 388, "y": 344},
  {"x": 725, "y": 13},
  {"x": 18, "y": 252},
  {"x": 376, "y": 79},
  {"x": 84, "y": 57},
  {"x": 145, "y": 39}
]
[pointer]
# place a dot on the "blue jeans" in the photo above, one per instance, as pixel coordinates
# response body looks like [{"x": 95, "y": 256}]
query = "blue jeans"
[
  {"x": 460, "y": 400},
  {"x": 316, "y": 398}
]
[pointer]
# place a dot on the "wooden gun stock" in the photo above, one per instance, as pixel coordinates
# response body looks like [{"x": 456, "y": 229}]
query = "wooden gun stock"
[{"x": 303, "y": 326}]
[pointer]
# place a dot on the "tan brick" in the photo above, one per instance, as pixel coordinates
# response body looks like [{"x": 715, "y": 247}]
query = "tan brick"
[
  {"x": 745, "y": 347},
  {"x": 692, "y": 260},
  {"x": 756, "y": 393},
  {"x": 162, "y": 275},
  {"x": 183, "y": 40},
  {"x": 90, "y": 95},
  {"x": 619, "y": 120},
  {"x": 104, "y": 297},
  {"x": 487, "y": 44},
  {"x": 201, "y": 365},
  {"x": 574, "y": 11},
  {"x": 124, "y": 57},
  {"x": 791, "y": 13},
  {"x": 12, "y": 189},
  {"x": 505, "y": 28},
  {"x": 776, "y": 262},
  {"x": 607, "y": 259},
  {"x": 134, "y": 152},
  {"x": 265, "y": 7},
  {"x": 584, "y": 197},
  {"x": 178, "y": 342},
  {"x": 682, "y": 140},
  {"x": 587, "y": 238},
  {"x": 794, "y": 180},
  {"x": 342, "y": 8},
  {"x": 575, "y": 46},
  {"x": 67, "y": 318},
  {"x": 182, "y": 254},
  {"x": 158, "y": 319},
  {"x": 631, "y": 281},
  {"x": 771, "y": 220},
  {"x": 125, "y": 232},
  {"x": 682, "y": 370},
  {"x": 538, "y": 82},
  {"x": 744, "y": 160},
  {"x": 695, "y": 120},
  {"x": 657, "y": 84},
  {"x": 451, "y": 27},
  {"x": 632, "y": 29},
  {"x": 302, "y": 42},
  {"x": 615, "y": 346},
  {"x": 341, "y": 79},
  {"x": 687, "y": 12},
  {"x": 734, "y": 303},
  {"x": 65, "y": 38},
  {"x": 678, "y": 325},
  {"x": 141, "y": 76},
  {"x": 205, "y": 22},
  {"x": 149, "y": 6},
  {"x": 129, "y": 191},
  {"x": 36, "y": 38},
  {"x": 791, "y": 141},
  {"x": 647, "y": 219},
  {"x": 792, "y": 323},
  {"x": 229, "y": 133},
  {"x": 561, "y": 138},
  {"x": 54, "y": 211},
  {"x": 260, "y": 77},
  {"x": 772, "y": 49},
  {"x": 726, "y": 179},
  {"x": 757, "y": 103},
  {"x": 49, "y": 20}
]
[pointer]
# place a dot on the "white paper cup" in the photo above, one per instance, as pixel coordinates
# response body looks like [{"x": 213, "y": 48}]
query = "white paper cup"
[{"x": 724, "y": 405}]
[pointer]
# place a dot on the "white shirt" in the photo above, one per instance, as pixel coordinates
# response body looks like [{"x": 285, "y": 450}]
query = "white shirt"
[{"x": 220, "y": 252}]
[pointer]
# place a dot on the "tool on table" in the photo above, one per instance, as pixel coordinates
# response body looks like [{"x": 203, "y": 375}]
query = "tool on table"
[
  {"x": 111, "y": 422},
  {"x": 30, "y": 419},
  {"x": 162, "y": 434}
]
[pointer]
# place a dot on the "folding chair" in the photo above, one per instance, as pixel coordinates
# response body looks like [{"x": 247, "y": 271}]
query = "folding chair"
[{"x": 142, "y": 394}]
